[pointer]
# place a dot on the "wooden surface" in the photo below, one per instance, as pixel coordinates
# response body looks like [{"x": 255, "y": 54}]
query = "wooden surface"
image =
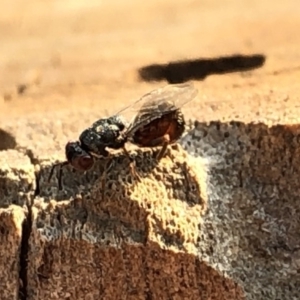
[{"x": 231, "y": 231}]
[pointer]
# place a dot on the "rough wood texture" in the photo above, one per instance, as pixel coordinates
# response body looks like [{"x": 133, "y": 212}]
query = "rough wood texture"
[
  {"x": 63, "y": 63},
  {"x": 17, "y": 178},
  {"x": 251, "y": 229},
  {"x": 138, "y": 241},
  {"x": 218, "y": 221},
  {"x": 11, "y": 221}
]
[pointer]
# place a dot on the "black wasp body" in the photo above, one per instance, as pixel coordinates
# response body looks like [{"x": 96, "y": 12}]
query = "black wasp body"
[
  {"x": 93, "y": 141},
  {"x": 154, "y": 120},
  {"x": 108, "y": 132}
]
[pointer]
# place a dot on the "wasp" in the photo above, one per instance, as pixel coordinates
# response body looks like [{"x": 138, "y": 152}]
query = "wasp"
[{"x": 153, "y": 120}]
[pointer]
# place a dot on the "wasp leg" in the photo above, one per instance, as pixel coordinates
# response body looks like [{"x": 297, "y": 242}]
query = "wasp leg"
[
  {"x": 60, "y": 165},
  {"x": 103, "y": 181},
  {"x": 132, "y": 165},
  {"x": 60, "y": 177},
  {"x": 103, "y": 177},
  {"x": 109, "y": 163},
  {"x": 164, "y": 141}
]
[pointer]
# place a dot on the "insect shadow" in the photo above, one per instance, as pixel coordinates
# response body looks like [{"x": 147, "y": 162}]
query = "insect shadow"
[
  {"x": 153, "y": 120},
  {"x": 199, "y": 69}
]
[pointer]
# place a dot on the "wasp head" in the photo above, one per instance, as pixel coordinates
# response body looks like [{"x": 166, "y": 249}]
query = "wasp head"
[{"x": 77, "y": 157}]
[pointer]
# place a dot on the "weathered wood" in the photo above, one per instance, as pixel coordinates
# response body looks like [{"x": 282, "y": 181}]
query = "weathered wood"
[{"x": 11, "y": 220}]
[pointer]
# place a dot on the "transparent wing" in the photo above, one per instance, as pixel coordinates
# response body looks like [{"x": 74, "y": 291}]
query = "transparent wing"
[{"x": 157, "y": 103}]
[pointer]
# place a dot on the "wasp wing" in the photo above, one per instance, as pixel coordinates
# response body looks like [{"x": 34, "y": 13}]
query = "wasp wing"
[
  {"x": 160, "y": 102},
  {"x": 156, "y": 103}
]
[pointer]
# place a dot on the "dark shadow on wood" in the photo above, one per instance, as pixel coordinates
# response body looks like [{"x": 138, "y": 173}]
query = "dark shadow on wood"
[
  {"x": 199, "y": 69},
  {"x": 7, "y": 140}
]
